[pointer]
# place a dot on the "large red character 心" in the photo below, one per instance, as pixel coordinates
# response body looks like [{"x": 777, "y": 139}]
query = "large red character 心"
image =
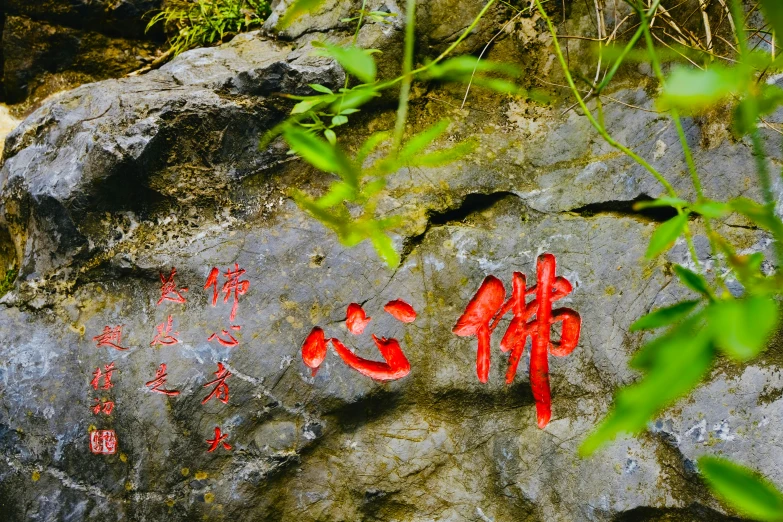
[
  {"x": 488, "y": 306},
  {"x": 394, "y": 366}
]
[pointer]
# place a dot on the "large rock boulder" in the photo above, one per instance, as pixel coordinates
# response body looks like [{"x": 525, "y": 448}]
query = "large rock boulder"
[{"x": 109, "y": 186}]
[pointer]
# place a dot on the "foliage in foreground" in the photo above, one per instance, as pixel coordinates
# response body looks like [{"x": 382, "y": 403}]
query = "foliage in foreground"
[
  {"x": 205, "y": 22},
  {"x": 695, "y": 331},
  {"x": 719, "y": 322},
  {"x": 349, "y": 207}
]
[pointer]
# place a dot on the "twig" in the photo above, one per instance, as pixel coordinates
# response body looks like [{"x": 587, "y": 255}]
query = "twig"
[{"x": 155, "y": 64}]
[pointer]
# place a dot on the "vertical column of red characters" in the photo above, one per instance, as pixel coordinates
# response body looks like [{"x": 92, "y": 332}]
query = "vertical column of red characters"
[
  {"x": 233, "y": 287},
  {"x": 104, "y": 441}
]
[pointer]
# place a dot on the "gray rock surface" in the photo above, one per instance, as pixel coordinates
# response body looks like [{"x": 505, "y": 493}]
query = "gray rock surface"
[{"x": 112, "y": 184}]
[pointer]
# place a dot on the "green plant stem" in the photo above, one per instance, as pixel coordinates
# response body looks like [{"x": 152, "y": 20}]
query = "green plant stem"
[
  {"x": 359, "y": 23},
  {"x": 626, "y": 50},
  {"x": 407, "y": 66},
  {"x": 598, "y": 127},
  {"x": 686, "y": 150},
  {"x": 765, "y": 180}
]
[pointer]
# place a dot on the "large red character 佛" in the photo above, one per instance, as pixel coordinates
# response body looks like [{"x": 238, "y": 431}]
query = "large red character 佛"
[{"x": 488, "y": 306}]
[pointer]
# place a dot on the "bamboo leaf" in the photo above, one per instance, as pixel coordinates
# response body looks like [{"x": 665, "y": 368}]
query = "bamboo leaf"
[
  {"x": 742, "y": 488},
  {"x": 692, "y": 280},
  {"x": 674, "y": 368},
  {"x": 742, "y": 327},
  {"x": 666, "y": 234},
  {"x": 664, "y": 316},
  {"x": 385, "y": 248},
  {"x": 660, "y": 202},
  {"x": 443, "y": 156},
  {"x": 773, "y": 12},
  {"x": 759, "y": 215},
  {"x": 297, "y": 9},
  {"x": 321, "y": 88},
  {"x": 692, "y": 90},
  {"x": 321, "y": 154},
  {"x": 422, "y": 140},
  {"x": 356, "y": 61}
]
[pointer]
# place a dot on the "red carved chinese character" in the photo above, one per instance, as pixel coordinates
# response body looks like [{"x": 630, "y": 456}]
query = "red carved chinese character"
[
  {"x": 355, "y": 319},
  {"x": 111, "y": 337},
  {"x": 314, "y": 349},
  {"x": 395, "y": 367},
  {"x": 97, "y": 375},
  {"x": 160, "y": 380},
  {"x": 102, "y": 406},
  {"x": 401, "y": 310},
  {"x": 164, "y": 336},
  {"x": 221, "y": 388},
  {"x": 488, "y": 304},
  {"x": 232, "y": 286},
  {"x": 228, "y": 343},
  {"x": 219, "y": 438},
  {"x": 103, "y": 442},
  {"x": 168, "y": 289}
]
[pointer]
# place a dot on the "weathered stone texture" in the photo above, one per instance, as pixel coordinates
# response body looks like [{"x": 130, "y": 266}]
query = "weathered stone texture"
[{"x": 108, "y": 185}]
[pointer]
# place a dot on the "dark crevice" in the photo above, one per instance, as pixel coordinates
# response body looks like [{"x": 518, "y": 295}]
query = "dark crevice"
[
  {"x": 626, "y": 208},
  {"x": 473, "y": 203}
]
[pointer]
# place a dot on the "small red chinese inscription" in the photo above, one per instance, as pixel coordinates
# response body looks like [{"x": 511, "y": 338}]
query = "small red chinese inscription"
[
  {"x": 233, "y": 286},
  {"x": 111, "y": 337},
  {"x": 220, "y": 391},
  {"x": 225, "y": 338},
  {"x": 104, "y": 375},
  {"x": 219, "y": 439},
  {"x": 487, "y": 307},
  {"x": 102, "y": 406},
  {"x": 164, "y": 336},
  {"x": 103, "y": 442},
  {"x": 169, "y": 290},
  {"x": 159, "y": 380},
  {"x": 395, "y": 365}
]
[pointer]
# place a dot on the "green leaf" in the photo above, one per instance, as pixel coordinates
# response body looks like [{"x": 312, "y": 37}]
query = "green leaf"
[
  {"x": 742, "y": 327},
  {"x": 444, "y": 156},
  {"x": 675, "y": 366},
  {"x": 321, "y": 154},
  {"x": 330, "y": 219},
  {"x": 422, "y": 140},
  {"x": 385, "y": 248},
  {"x": 297, "y": 9},
  {"x": 692, "y": 280},
  {"x": 666, "y": 234},
  {"x": 330, "y": 136},
  {"x": 711, "y": 209},
  {"x": 660, "y": 202},
  {"x": 748, "y": 110},
  {"x": 664, "y": 316},
  {"x": 759, "y": 215},
  {"x": 338, "y": 192},
  {"x": 742, "y": 488},
  {"x": 306, "y": 105},
  {"x": 349, "y": 111},
  {"x": 339, "y": 120},
  {"x": 692, "y": 90},
  {"x": 370, "y": 144},
  {"x": 498, "y": 85},
  {"x": 773, "y": 12},
  {"x": 461, "y": 68},
  {"x": 320, "y": 88},
  {"x": 356, "y": 61}
]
